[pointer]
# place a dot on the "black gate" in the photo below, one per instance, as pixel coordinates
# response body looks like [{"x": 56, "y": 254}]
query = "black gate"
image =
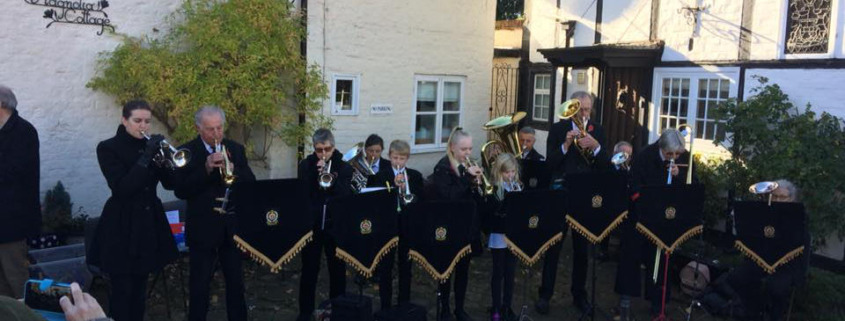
[{"x": 503, "y": 89}]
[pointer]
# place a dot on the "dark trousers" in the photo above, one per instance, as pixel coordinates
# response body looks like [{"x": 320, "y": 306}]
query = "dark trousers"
[
  {"x": 311, "y": 270},
  {"x": 202, "y": 272},
  {"x": 461, "y": 277},
  {"x": 654, "y": 291},
  {"x": 628, "y": 278},
  {"x": 386, "y": 276},
  {"x": 747, "y": 280},
  {"x": 128, "y": 297},
  {"x": 501, "y": 280},
  {"x": 579, "y": 269}
]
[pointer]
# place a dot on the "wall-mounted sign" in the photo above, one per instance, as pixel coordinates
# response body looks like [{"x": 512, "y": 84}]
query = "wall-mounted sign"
[
  {"x": 76, "y": 12},
  {"x": 381, "y": 109}
]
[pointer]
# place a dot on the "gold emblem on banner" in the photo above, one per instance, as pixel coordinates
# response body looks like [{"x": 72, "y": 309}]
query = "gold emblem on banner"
[
  {"x": 533, "y": 221},
  {"x": 366, "y": 227},
  {"x": 769, "y": 231},
  {"x": 272, "y": 218},
  {"x": 670, "y": 213},
  {"x": 440, "y": 234},
  {"x": 597, "y": 201}
]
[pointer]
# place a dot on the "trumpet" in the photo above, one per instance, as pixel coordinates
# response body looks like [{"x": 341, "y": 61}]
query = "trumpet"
[
  {"x": 621, "y": 159},
  {"x": 669, "y": 176},
  {"x": 326, "y": 178},
  {"x": 486, "y": 188},
  {"x": 570, "y": 110},
  {"x": 168, "y": 156},
  {"x": 225, "y": 171},
  {"x": 405, "y": 193}
]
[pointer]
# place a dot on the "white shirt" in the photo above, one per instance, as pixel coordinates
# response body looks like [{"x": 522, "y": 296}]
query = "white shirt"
[
  {"x": 595, "y": 152},
  {"x": 208, "y": 147}
]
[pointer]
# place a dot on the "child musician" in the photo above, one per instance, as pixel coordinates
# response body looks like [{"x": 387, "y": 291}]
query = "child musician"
[{"x": 506, "y": 179}]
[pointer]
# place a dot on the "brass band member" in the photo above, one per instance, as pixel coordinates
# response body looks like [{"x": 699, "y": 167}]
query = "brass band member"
[
  {"x": 454, "y": 179},
  {"x": 406, "y": 181},
  {"x": 208, "y": 232},
  {"x": 565, "y": 158},
  {"x": 133, "y": 237},
  {"x": 506, "y": 178},
  {"x": 527, "y": 138},
  {"x": 369, "y": 163},
  {"x": 325, "y": 175}
]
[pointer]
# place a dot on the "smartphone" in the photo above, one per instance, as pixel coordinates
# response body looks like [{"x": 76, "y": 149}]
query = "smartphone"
[{"x": 44, "y": 295}]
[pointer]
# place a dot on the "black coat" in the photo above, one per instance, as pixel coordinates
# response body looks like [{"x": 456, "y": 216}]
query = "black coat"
[
  {"x": 533, "y": 154},
  {"x": 383, "y": 165},
  {"x": 319, "y": 197},
  {"x": 133, "y": 235},
  {"x": 20, "y": 211},
  {"x": 386, "y": 177},
  {"x": 448, "y": 184},
  {"x": 561, "y": 164},
  {"x": 649, "y": 169},
  {"x": 204, "y": 227}
]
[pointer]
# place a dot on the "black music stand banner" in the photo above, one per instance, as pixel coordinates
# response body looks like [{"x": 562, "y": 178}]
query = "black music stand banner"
[
  {"x": 534, "y": 222},
  {"x": 535, "y": 174},
  {"x": 670, "y": 214},
  {"x": 365, "y": 227},
  {"x": 598, "y": 203},
  {"x": 439, "y": 235},
  {"x": 273, "y": 220},
  {"x": 771, "y": 236}
]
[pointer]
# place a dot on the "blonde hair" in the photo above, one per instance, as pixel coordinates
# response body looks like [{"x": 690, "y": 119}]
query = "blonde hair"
[
  {"x": 505, "y": 162},
  {"x": 457, "y": 134},
  {"x": 400, "y": 147}
]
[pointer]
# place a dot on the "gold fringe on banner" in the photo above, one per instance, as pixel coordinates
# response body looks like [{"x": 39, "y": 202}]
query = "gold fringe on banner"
[
  {"x": 440, "y": 277},
  {"x": 695, "y": 230},
  {"x": 530, "y": 260},
  {"x": 259, "y": 257},
  {"x": 589, "y": 235},
  {"x": 367, "y": 271},
  {"x": 762, "y": 263}
]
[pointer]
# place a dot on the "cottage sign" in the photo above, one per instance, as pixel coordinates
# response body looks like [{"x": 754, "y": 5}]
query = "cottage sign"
[{"x": 76, "y": 12}]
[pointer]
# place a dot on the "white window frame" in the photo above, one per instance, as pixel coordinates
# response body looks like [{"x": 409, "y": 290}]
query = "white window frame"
[
  {"x": 356, "y": 90},
  {"x": 834, "y": 42},
  {"x": 438, "y": 145},
  {"x": 536, "y": 92},
  {"x": 694, "y": 74}
]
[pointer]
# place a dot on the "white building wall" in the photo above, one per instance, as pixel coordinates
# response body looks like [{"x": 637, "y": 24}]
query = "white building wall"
[
  {"x": 718, "y": 33},
  {"x": 48, "y": 69},
  {"x": 767, "y": 30},
  {"x": 626, "y": 21},
  {"x": 438, "y": 37},
  {"x": 822, "y": 88},
  {"x": 541, "y": 17}
]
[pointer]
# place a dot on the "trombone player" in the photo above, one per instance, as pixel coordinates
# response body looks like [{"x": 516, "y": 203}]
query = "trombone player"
[
  {"x": 209, "y": 233},
  {"x": 574, "y": 146}
]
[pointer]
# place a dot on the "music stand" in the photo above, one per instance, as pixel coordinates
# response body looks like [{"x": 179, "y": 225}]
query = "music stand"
[
  {"x": 440, "y": 237},
  {"x": 534, "y": 222},
  {"x": 597, "y": 205},
  {"x": 770, "y": 236},
  {"x": 668, "y": 216},
  {"x": 535, "y": 174},
  {"x": 273, "y": 221},
  {"x": 365, "y": 227}
]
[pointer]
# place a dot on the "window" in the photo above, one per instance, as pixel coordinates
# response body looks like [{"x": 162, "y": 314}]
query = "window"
[
  {"x": 688, "y": 96},
  {"x": 540, "y": 112},
  {"x": 438, "y": 102},
  {"x": 808, "y": 26},
  {"x": 345, "y": 89}
]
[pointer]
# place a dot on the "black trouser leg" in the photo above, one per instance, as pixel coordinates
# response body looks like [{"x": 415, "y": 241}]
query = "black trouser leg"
[
  {"x": 128, "y": 297},
  {"x": 461, "y": 281},
  {"x": 510, "y": 270},
  {"x": 230, "y": 263},
  {"x": 385, "y": 281},
  {"x": 547, "y": 285},
  {"x": 628, "y": 279},
  {"x": 579, "y": 266},
  {"x": 199, "y": 281},
  {"x": 497, "y": 276},
  {"x": 337, "y": 270},
  {"x": 310, "y": 273},
  {"x": 404, "y": 273},
  {"x": 654, "y": 291}
]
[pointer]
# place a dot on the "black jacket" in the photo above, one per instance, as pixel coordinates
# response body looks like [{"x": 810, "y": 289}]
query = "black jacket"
[
  {"x": 561, "y": 164},
  {"x": 133, "y": 235},
  {"x": 533, "y": 154},
  {"x": 650, "y": 169},
  {"x": 20, "y": 211},
  {"x": 317, "y": 196},
  {"x": 383, "y": 165},
  {"x": 204, "y": 227},
  {"x": 386, "y": 177},
  {"x": 451, "y": 185}
]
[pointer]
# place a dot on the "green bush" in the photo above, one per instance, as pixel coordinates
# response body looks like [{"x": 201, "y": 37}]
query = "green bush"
[
  {"x": 821, "y": 298},
  {"x": 242, "y": 55},
  {"x": 771, "y": 138},
  {"x": 58, "y": 215}
]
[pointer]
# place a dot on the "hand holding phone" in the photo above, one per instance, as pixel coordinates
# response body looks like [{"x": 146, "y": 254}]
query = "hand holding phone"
[{"x": 84, "y": 307}]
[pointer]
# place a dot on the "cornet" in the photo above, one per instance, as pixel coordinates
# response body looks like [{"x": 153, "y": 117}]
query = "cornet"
[
  {"x": 486, "y": 188},
  {"x": 326, "y": 178},
  {"x": 225, "y": 172},
  {"x": 178, "y": 158},
  {"x": 405, "y": 193},
  {"x": 621, "y": 159}
]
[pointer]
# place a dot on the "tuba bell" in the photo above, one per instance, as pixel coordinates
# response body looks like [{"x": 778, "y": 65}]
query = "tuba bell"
[
  {"x": 569, "y": 110},
  {"x": 505, "y": 128}
]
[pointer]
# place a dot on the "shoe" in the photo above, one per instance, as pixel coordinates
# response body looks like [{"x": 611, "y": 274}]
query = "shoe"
[
  {"x": 542, "y": 306},
  {"x": 462, "y": 315},
  {"x": 581, "y": 304}
]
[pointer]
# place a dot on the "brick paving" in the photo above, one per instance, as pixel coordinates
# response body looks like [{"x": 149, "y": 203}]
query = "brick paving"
[{"x": 274, "y": 296}]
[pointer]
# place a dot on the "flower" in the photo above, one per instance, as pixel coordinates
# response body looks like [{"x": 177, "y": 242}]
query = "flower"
[
  {"x": 48, "y": 14},
  {"x": 590, "y": 128}
]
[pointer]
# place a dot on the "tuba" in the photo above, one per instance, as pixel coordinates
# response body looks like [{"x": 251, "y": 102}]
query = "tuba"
[
  {"x": 168, "y": 156},
  {"x": 355, "y": 156},
  {"x": 505, "y": 128},
  {"x": 569, "y": 110}
]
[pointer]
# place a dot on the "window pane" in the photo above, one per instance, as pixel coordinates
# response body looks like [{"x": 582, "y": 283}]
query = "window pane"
[
  {"x": 662, "y": 123},
  {"x": 450, "y": 121},
  {"x": 673, "y": 107},
  {"x": 724, "y": 89},
  {"x": 684, "y": 105},
  {"x": 451, "y": 96},
  {"x": 426, "y": 96},
  {"x": 665, "y": 87},
  {"x": 541, "y": 81},
  {"x": 699, "y": 129},
  {"x": 702, "y": 88},
  {"x": 711, "y": 130},
  {"x": 714, "y": 87},
  {"x": 424, "y": 133},
  {"x": 664, "y": 104},
  {"x": 702, "y": 104},
  {"x": 343, "y": 94},
  {"x": 685, "y": 88},
  {"x": 676, "y": 85}
]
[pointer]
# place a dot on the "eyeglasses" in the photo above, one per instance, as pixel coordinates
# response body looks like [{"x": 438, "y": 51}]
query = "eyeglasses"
[{"x": 323, "y": 150}]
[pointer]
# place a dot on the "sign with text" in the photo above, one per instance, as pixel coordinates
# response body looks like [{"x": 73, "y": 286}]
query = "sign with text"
[
  {"x": 377, "y": 109},
  {"x": 76, "y": 12}
]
